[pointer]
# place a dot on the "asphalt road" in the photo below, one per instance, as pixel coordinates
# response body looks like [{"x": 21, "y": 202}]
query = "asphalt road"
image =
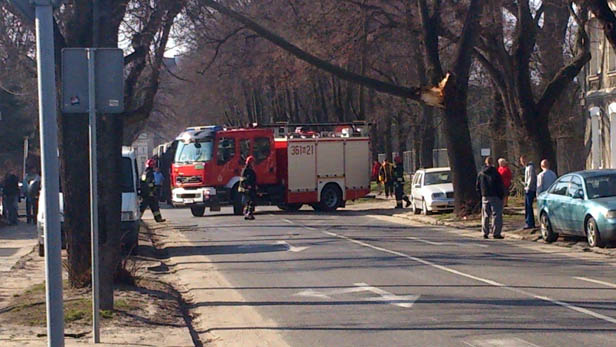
[{"x": 347, "y": 279}]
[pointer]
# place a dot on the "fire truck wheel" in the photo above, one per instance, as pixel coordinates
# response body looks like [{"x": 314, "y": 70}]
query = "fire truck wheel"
[
  {"x": 197, "y": 211},
  {"x": 331, "y": 198},
  {"x": 290, "y": 207}
]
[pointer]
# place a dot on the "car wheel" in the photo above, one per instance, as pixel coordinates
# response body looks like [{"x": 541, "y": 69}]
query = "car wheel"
[
  {"x": 414, "y": 208},
  {"x": 592, "y": 233},
  {"x": 197, "y": 211},
  {"x": 547, "y": 233},
  {"x": 424, "y": 208},
  {"x": 331, "y": 198},
  {"x": 41, "y": 250}
]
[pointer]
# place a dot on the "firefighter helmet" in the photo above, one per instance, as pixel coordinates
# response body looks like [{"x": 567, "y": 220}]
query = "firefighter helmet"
[
  {"x": 250, "y": 160},
  {"x": 150, "y": 164}
]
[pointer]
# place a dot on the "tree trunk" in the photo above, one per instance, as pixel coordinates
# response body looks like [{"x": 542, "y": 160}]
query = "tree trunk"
[
  {"x": 75, "y": 188},
  {"x": 460, "y": 151},
  {"x": 498, "y": 128},
  {"x": 427, "y": 138}
]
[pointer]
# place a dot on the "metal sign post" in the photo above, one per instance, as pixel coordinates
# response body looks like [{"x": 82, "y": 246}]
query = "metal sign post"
[
  {"x": 93, "y": 195},
  {"x": 49, "y": 163}
]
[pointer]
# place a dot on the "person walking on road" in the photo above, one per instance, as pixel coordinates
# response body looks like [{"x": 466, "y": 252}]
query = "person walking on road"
[
  {"x": 10, "y": 197},
  {"x": 159, "y": 178},
  {"x": 530, "y": 191},
  {"x": 386, "y": 176},
  {"x": 399, "y": 183},
  {"x": 31, "y": 188},
  {"x": 148, "y": 191},
  {"x": 545, "y": 178},
  {"x": 248, "y": 188},
  {"x": 490, "y": 186},
  {"x": 506, "y": 175}
]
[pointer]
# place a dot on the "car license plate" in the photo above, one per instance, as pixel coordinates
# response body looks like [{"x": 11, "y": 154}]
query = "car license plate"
[{"x": 189, "y": 201}]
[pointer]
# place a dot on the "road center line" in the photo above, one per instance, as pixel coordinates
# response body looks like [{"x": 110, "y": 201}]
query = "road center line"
[
  {"x": 608, "y": 284},
  {"x": 473, "y": 277},
  {"x": 435, "y": 243}
]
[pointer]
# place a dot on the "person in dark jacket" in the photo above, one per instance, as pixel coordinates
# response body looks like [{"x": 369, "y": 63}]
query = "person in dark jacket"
[
  {"x": 399, "y": 183},
  {"x": 10, "y": 197},
  {"x": 149, "y": 197},
  {"x": 490, "y": 186},
  {"x": 248, "y": 188}
]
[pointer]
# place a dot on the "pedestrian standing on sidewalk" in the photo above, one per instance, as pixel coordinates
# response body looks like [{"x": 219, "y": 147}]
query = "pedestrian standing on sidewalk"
[
  {"x": 506, "y": 175},
  {"x": 490, "y": 186},
  {"x": 386, "y": 176},
  {"x": 10, "y": 197},
  {"x": 148, "y": 191},
  {"x": 31, "y": 187},
  {"x": 546, "y": 177},
  {"x": 399, "y": 183},
  {"x": 248, "y": 188},
  {"x": 530, "y": 191}
]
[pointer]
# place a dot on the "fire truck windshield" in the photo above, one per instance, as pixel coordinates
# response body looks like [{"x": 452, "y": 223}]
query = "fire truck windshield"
[{"x": 194, "y": 152}]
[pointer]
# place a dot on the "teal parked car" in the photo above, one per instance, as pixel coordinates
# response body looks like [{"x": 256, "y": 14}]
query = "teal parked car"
[{"x": 581, "y": 204}]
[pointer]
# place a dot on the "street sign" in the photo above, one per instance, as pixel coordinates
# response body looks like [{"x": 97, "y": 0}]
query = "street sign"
[
  {"x": 26, "y": 7},
  {"x": 108, "y": 76}
]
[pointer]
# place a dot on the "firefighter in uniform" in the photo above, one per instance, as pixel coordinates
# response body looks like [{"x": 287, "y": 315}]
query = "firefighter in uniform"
[
  {"x": 398, "y": 177},
  {"x": 149, "y": 191},
  {"x": 248, "y": 188}
]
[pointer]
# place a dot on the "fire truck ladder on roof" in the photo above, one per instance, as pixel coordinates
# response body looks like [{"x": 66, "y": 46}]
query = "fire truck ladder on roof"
[{"x": 343, "y": 129}]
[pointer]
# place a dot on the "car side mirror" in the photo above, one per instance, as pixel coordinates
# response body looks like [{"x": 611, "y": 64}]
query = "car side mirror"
[{"x": 579, "y": 194}]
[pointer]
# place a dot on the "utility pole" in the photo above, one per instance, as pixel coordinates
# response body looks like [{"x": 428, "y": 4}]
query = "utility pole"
[{"x": 41, "y": 13}]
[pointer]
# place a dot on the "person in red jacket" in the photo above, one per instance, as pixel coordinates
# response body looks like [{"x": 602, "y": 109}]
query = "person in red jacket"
[{"x": 506, "y": 176}]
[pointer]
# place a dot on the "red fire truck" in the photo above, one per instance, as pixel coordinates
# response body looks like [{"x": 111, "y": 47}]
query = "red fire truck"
[{"x": 321, "y": 168}]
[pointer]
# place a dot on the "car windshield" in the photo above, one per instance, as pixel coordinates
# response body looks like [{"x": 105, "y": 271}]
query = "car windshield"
[
  {"x": 128, "y": 184},
  {"x": 437, "y": 178},
  {"x": 194, "y": 151},
  {"x": 601, "y": 186}
]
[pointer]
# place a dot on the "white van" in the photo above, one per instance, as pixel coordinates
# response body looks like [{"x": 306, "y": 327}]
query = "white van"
[{"x": 131, "y": 215}]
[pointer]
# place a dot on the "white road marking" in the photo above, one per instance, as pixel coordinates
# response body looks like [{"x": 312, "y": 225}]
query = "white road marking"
[
  {"x": 292, "y": 248},
  {"x": 405, "y": 301},
  {"x": 499, "y": 342},
  {"x": 608, "y": 284},
  {"x": 473, "y": 277},
  {"x": 435, "y": 243}
]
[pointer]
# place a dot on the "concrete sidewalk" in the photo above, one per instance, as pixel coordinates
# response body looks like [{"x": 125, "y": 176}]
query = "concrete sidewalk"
[{"x": 15, "y": 242}]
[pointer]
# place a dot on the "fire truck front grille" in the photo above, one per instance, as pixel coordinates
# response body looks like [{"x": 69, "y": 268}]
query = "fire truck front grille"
[{"x": 188, "y": 179}]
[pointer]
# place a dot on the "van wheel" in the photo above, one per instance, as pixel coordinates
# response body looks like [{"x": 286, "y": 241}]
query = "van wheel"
[
  {"x": 331, "y": 198},
  {"x": 41, "y": 250},
  {"x": 197, "y": 211}
]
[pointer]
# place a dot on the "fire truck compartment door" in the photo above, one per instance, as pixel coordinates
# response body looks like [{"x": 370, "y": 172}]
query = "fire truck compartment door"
[
  {"x": 357, "y": 164},
  {"x": 330, "y": 159},
  {"x": 302, "y": 166}
]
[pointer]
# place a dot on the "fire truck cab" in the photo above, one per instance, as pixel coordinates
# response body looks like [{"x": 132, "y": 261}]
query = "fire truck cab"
[{"x": 292, "y": 169}]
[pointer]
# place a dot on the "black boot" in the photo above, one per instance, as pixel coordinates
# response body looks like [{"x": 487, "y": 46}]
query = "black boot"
[{"x": 408, "y": 201}]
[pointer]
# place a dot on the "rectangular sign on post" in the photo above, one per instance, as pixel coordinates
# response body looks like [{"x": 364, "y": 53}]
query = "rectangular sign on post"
[{"x": 109, "y": 77}]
